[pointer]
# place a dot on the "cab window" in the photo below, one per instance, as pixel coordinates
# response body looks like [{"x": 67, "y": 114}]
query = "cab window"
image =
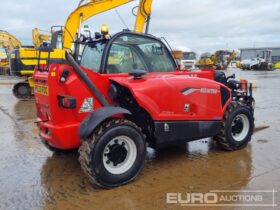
[
  {"x": 124, "y": 59},
  {"x": 132, "y": 52},
  {"x": 92, "y": 55}
]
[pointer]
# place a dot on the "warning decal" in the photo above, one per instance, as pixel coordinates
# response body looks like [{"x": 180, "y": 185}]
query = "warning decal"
[{"x": 87, "y": 105}]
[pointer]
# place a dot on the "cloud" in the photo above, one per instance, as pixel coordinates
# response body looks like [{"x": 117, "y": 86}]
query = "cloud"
[{"x": 205, "y": 25}]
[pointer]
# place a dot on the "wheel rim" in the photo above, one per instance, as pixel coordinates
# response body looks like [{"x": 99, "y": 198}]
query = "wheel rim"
[
  {"x": 240, "y": 127},
  {"x": 22, "y": 90},
  {"x": 119, "y": 155}
]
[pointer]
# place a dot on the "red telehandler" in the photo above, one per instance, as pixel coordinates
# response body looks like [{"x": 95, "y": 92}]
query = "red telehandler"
[{"x": 124, "y": 93}]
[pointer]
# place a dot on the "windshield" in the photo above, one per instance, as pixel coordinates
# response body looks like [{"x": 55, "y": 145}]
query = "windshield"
[
  {"x": 3, "y": 53},
  {"x": 133, "y": 52},
  {"x": 129, "y": 52},
  {"x": 189, "y": 56},
  {"x": 92, "y": 56}
]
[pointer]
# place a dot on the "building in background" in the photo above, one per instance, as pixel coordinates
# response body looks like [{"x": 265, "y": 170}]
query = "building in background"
[{"x": 249, "y": 53}]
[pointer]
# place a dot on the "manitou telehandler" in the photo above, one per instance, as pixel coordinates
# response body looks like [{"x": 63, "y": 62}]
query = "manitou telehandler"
[{"x": 125, "y": 94}]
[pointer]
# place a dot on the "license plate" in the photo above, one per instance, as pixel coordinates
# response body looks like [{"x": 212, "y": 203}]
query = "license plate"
[{"x": 41, "y": 89}]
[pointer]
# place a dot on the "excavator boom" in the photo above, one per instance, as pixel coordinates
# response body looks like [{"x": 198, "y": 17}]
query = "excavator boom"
[
  {"x": 83, "y": 13},
  {"x": 143, "y": 15},
  {"x": 94, "y": 7},
  {"x": 38, "y": 37},
  {"x": 9, "y": 41}
]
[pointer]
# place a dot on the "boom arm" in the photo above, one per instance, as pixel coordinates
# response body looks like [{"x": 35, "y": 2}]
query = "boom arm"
[
  {"x": 94, "y": 7},
  {"x": 83, "y": 13},
  {"x": 143, "y": 15},
  {"x": 9, "y": 41}
]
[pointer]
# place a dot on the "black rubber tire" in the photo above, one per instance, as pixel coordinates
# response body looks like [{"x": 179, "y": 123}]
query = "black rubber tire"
[
  {"x": 225, "y": 137},
  {"x": 27, "y": 95},
  {"x": 91, "y": 153},
  {"x": 57, "y": 151}
]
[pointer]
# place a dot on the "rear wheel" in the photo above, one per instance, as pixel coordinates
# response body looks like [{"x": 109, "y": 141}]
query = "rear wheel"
[
  {"x": 237, "y": 128},
  {"x": 115, "y": 153},
  {"x": 22, "y": 91}
]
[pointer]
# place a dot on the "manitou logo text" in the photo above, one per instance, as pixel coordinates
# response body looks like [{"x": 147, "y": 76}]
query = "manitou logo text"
[{"x": 209, "y": 91}]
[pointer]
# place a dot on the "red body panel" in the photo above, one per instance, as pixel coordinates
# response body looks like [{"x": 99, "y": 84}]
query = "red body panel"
[
  {"x": 162, "y": 97},
  {"x": 59, "y": 126}
]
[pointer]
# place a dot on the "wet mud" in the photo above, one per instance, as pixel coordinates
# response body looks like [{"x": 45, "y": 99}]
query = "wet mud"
[{"x": 31, "y": 177}]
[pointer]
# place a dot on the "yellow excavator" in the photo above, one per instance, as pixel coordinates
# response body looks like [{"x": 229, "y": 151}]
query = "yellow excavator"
[
  {"x": 205, "y": 61},
  {"x": 8, "y": 42},
  {"x": 64, "y": 39},
  {"x": 23, "y": 61},
  {"x": 219, "y": 60},
  {"x": 93, "y": 7}
]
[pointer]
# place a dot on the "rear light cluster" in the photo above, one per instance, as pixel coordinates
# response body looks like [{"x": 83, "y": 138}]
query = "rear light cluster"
[
  {"x": 244, "y": 84},
  {"x": 67, "y": 102},
  {"x": 246, "y": 87}
]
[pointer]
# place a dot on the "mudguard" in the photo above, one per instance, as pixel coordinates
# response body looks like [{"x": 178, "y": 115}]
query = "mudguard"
[{"x": 98, "y": 116}]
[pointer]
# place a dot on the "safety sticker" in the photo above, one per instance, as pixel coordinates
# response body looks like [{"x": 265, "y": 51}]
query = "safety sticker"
[{"x": 87, "y": 105}]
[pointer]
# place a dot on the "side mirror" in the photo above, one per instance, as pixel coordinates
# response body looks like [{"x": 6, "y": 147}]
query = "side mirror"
[
  {"x": 97, "y": 35},
  {"x": 138, "y": 74}
]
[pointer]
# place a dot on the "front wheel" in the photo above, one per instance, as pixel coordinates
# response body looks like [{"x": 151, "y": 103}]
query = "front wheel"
[
  {"x": 237, "y": 128},
  {"x": 115, "y": 153}
]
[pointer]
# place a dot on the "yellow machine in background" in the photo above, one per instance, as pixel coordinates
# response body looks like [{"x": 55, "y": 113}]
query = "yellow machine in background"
[
  {"x": 4, "y": 60},
  {"x": 219, "y": 60},
  {"x": 205, "y": 61},
  {"x": 22, "y": 63},
  {"x": 277, "y": 65},
  {"x": 24, "y": 60},
  {"x": 8, "y": 42},
  {"x": 95, "y": 7}
]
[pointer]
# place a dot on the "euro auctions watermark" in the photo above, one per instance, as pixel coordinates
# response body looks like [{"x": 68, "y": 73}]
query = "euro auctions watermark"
[{"x": 215, "y": 198}]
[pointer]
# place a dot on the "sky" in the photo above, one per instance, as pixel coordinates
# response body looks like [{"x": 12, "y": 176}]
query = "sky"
[{"x": 197, "y": 25}]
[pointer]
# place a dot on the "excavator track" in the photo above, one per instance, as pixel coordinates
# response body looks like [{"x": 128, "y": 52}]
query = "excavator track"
[{"x": 23, "y": 91}]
